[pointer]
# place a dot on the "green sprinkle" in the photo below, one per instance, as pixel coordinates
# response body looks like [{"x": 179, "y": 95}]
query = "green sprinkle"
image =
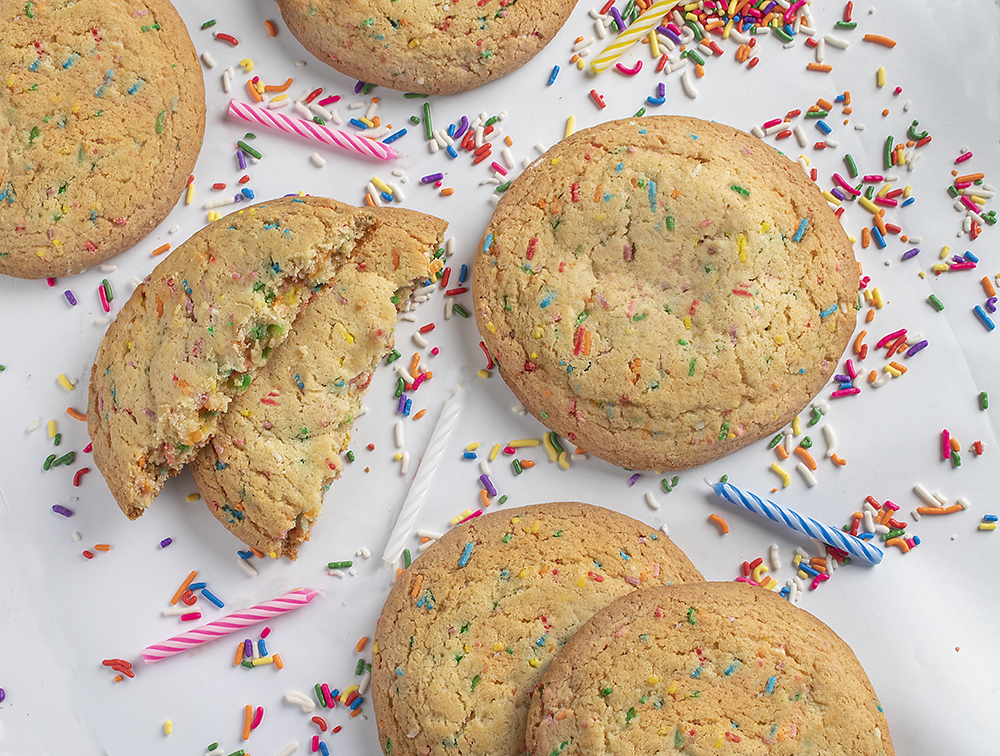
[
  {"x": 846, "y": 24},
  {"x": 678, "y": 738},
  {"x": 724, "y": 479},
  {"x": 368, "y": 88},
  {"x": 240, "y": 752},
  {"x": 29, "y": 10},
  {"x": 503, "y": 187},
  {"x": 459, "y": 310},
  {"x": 2, "y": 368},
  {"x": 936, "y": 302},
  {"x": 320, "y": 121},
  {"x": 640, "y": 113},
  {"x": 605, "y": 691},
  {"x": 555, "y": 442},
  {"x": 690, "y": 613},
  {"x": 209, "y": 24},
  {"x": 665, "y": 486},
  {"x": 66, "y": 459},
  {"x": 807, "y": 443},
  {"x": 414, "y": 120},
  {"x": 400, "y": 387},
  {"x": 57, "y": 439},
  {"x": 350, "y": 455},
  {"x": 852, "y": 168},
  {"x": 411, "y": 95},
  {"x": 475, "y": 681},
  {"x": 984, "y": 399},
  {"x": 870, "y": 191},
  {"x": 694, "y": 56},
  {"x": 393, "y": 356},
  {"x": 630, "y": 715},
  {"x": 213, "y": 746},
  {"x": 340, "y": 565},
  {"x": 248, "y": 149},
  {"x": 34, "y": 134},
  {"x": 675, "y": 480},
  {"x": 502, "y": 499},
  {"x": 160, "y": 119},
  {"x": 320, "y": 696},
  {"x": 691, "y": 366},
  {"x": 956, "y": 459},
  {"x": 517, "y": 467},
  {"x": 670, "y": 223},
  {"x": 360, "y": 668},
  {"x": 781, "y": 34},
  {"x": 428, "y": 126},
  {"x": 491, "y": 120},
  {"x": 725, "y": 431},
  {"x": 698, "y": 36},
  {"x": 47, "y": 464},
  {"x": 774, "y": 441},
  {"x": 407, "y": 559},
  {"x": 817, "y": 113},
  {"x": 106, "y": 284},
  {"x": 740, "y": 190},
  {"x": 887, "y": 152},
  {"x": 816, "y": 415}
]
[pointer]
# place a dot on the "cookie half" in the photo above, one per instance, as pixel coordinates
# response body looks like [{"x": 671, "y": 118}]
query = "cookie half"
[
  {"x": 277, "y": 449},
  {"x": 469, "y": 628},
  {"x": 425, "y": 46},
  {"x": 102, "y": 121},
  {"x": 722, "y": 668},
  {"x": 663, "y": 291}
]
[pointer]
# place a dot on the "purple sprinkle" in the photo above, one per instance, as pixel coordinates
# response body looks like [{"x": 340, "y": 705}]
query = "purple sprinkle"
[
  {"x": 841, "y": 378},
  {"x": 166, "y": 542},
  {"x": 916, "y": 348},
  {"x": 358, "y": 87},
  {"x": 669, "y": 34},
  {"x": 241, "y": 159},
  {"x": 838, "y": 194},
  {"x": 633, "y": 479},
  {"x": 402, "y": 403},
  {"x": 661, "y": 90},
  {"x": 431, "y": 178},
  {"x": 958, "y": 259},
  {"x": 618, "y": 18},
  {"x": 60, "y": 509},
  {"x": 237, "y": 197},
  {"x": 991, "y": 304},
  {"x": 462, "y": 126},
  {"x": 70, "y": 298},
  {"x": 247, "y": 647},
  {"x": 488, "y": 485},
  {"x": 911, "y": 253},
  {"x": 3, "y": 695}
]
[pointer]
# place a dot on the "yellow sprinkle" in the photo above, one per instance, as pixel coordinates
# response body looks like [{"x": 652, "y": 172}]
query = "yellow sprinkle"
[
  {"x": 539, "y": 332},
  {"x": 381, "y": 184},
  {"x": 459, "y": 518},
  {"x": 892, "y": 371},
  {"x": 852, "y": 239},
  {"x": 189, "y": 195},
  {"x": 414, "y": 43},
  {"x": 494, "y": 451},
  {"x": 718, "y": 742},
  {"x": 880, "y": 77},
  {"x": 906, "y": 191},
  {"x": 398, "y": 456},
  {"x": 765, "y": 227},
  {"x": 796, "y": 426},
  {"x": 65, "y": 382},
  {"x": 473, "y": 446},
  {"x": 785, "y": 477},
  {"x": 263, "y": 660},
  {"x": 467, "y": 648},
  {"x": 653, "y": 679},
  {"x": 804, "y": 158},
  {"x": 549, "y": 448},
  {"x": 780, "y": 339},
  {"x": 366, "y": 122},
  {"x": 490, "y": 327},
  {"x": 52, "y": 428},
  {"x": 877, "y": 298},
  {"x": 672, "y": 688},
  {"x": 867, "y": 204},
  {"x": 483, "y": 373},
  {"x": 535, "y": 526},
  {"x": 347, "y": 693},
  {"x": 581, "y": 582},
  {"x": 517, "y": 444},
  {"x": 654, "y": 45},
  {"x": 570, "y": 125},
  {"x": 944, "y": 252},
  {"x": 741, "y": 246},
  {"x": 498, "y": 646},
  {"x": 168, "y": 727},
  {"x": 193, "y": 497},
  {"x": 533, "y": 662},
  {"x": 213, "y": 215},
  {"x": 563, "y": 460},
  {"x": 987, "y": 526},
  {"x": 534, "y": 355},
  {"x": 830, "y": 198},
  {"x": 279, "y": 98},
  {"x": 556, "y": 160},
  {"x": 923, "y": 274},
  {"x": 247, "y": 65},
  {"x": 978, "y": 200},
  {"x": 522, "y": 574},
  {"x": 687, "y": 323}
]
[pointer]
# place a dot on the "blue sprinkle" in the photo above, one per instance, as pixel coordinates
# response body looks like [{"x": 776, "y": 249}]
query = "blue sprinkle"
[
  {"x": 247, "y": 192},
  {"x": 324, "y": 748},
  {"x": 971, "y": 257},
  {"x": 451, "y": 130},
  {"x": 465, "y": 555},
  {"x": 452, "y": 152},
  {"x": 386, "y": 196},
  {"x": 107, "y": 80},
  {"x": 823, "y": 126},
  {"x": 828, "y": 311},
  {"x": 908, "y": 201},
  {"x": 70, "y": 60},
  {"x": 731, "y": 667},
  {"x": 541, "y": 641},
  {"x": 261, "y": 646},
  {"x": 358, "y": 124},
  {"x": 356, "y": 703},
  {"x": 877, "y": 236},
  {"x": 217, "y": 601},
  {"x": 245, "y": 554},
  {"x": 135, "y": 87},
  {"x": 624, "y": 556},
  {"x": 984, "y": 318},
  {"x": 197, "y": 586},
  {"x": 618, "y": 168},
  {"x": 469, "y": 455},
  {"x": 406, "y": 410},
  {"x": 696, "y": 673},
  {"x": 555, "y": 73},
  {"x": 34, "y": 66},
  {"x": 770, "y": 684},
  {"x": 548, "y": 298},
  {"x": 393, "y": 137},
  {"x": 801, "y": 230},
  {"x": 652, "y": 196},
  {"x": 808, "y": 570},
  {"x": 990, "y": 518},
  {"x": 463, "y": 273},
  {"x": 655, "y": 100},
  {"x": 487, "y": 242}
]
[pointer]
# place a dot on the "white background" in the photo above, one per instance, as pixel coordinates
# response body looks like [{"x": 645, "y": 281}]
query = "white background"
[{"x": 923, "y": 624}]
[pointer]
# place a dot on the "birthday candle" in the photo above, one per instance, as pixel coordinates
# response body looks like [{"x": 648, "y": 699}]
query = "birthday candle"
[{"x": 628, "y": 37}]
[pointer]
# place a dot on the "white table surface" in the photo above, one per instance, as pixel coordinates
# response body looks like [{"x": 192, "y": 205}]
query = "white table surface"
[{"x": 923, "y": 624}]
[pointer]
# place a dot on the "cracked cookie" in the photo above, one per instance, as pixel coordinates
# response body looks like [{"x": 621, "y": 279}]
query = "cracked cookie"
[
  {"x": 425, "y": 46},
  {"x": 102, "y": 113},
  {"x": 469, "y": 628},
  {"x": 277, "y": 449},
  {"x": 720, "y": 668},
  {"x": 663, "y": 291}
]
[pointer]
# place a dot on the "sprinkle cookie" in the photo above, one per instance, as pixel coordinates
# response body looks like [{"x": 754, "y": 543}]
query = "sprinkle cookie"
[
  {"x": 277, "y": 449},
  {"x": 469, "y": 628},
  {"x": 663, "y": 291},
  {"x": 102, "y": 116},
  {"x": 722, "y": 668},
  {"x": 197, "y": 331},
  {"x": 425, "y": 46}
]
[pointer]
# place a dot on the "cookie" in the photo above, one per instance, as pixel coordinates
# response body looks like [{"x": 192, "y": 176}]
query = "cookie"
[
  {"x": 101, "y": 119},
  {"x": 469, "y": 628},
  {"x": 277, "y": 448},
  {"x": 197, "y": 330},
  {"x": 721, "y": 668},
  {"x": 425, "y": 46},
  {"x": 663, "y": 291}
]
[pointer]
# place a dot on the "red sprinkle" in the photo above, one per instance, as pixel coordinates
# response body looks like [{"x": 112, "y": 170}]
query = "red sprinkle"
[
  {"x": 219, "y": 186},
  {"x": 456, "y": 292},
  {"x": 597, "y": 98},
  {"x": 320, "y": 722},
  {"x": 88, "y": 554},
  {"x": 489, "y": 360},
  {"x": 244, "y": 179},
  {"x": 313, "y": 95},
  {"x": 427, "y": 328},
  {"x": 79, "y": 474},
  {"x": 227, "y": 38}
]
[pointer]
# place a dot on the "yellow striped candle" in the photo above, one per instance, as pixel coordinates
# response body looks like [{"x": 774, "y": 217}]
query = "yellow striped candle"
[{"x": 639, "y": 28}]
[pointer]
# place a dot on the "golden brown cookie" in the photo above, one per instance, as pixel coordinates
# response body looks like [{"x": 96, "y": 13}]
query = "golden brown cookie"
[
  {"x": 101, "y": 119},
  {"x": 663, "y": 291},
  {"x": 425, "y": 46},
  {"x": 469, "y": 628},
  {"x": 277, "y": 448},
  {"x": 711, "y": 668}
]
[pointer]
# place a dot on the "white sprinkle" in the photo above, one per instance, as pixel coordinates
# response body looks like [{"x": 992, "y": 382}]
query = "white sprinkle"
[
  {"x": 583, "y": 53},
  {"x": 247, "y": 567},
  {"x": 915, "y": 514},
  {"x": 497, "y": 131},
  {"x": 832, "y": 142},
  {"x": 255, "y": 650},
  {"x": 322, "y": 112},
  {"x": 540, "y": 148},
  {"x": 600, "y": 30},
  {"x": 227, "y": 78},
  {"x": 859, "y": 127},
  {"x": 136, "y": 281},
  {"x": 175, "y": 611},
  {"x": 279, "y": 101},
  {"x": 806, "y": 473},
  {"x": 399, "y": 434},
  {"x": 397, "y": 193},
  {"x": 494, "y": 199},
  {"x": 303, "y": 111},
  {"x": 219, "y": 203},
  {"x": 519, "y": 409},
  {"x": 869, "y": 522},
  {"x": 424, "y": 546},
  {"x": 109, "y": 268},
  {"x": 831, "y": 440},
  {"x": 33, "y": 425},
  {"x": 408, "y": 316},
  {"x": 373, "y": 193},
  {"x": 419, "y": 340},
  {"x": 907, "y": 105},
  {"x": 102, "y": 320},
  {"x": 775, "y": 561},
  {"x": 432, "y": 145},
  {"x": 365, "y": 553},
  {"x": 838, "y": 42},
  {"x": 371, "y": 110},
  {"x": 76, "y": 536},
  {"x": 508, "y": 158},
  {"x": 739, "y": 36},
  {"x": 449, "y": 306},
  {"x": 800, "y": 135},
  {"x": 336, "y": 573},
  {"x": 300, "y": 699},
  {"x": 356, "y": 104},
  {"x": 583, "y": 43},
  {"x": 317, "y": 160},
  {"x": 881, "y": 529},
  {"x": 882, "y": 379},
  {"x": 404, "y": 463},
  {"x": 484, "y": 466},
  {"x": 449, "y": 246},
  {"x": 424, "y": 291},
  {"x": 925, "y": 496},
  {"x": 757, "y": 131},
  {"x": 651, "y": 500},
  {"x": 174, "y": 230},
  {"x": 942, "y": 498},
  {"x": 663, "y": 529},
  {"x": 292, "y": 747},
  {"x": 490, "y": 180},
  {"x": 432, "y": 534},
  {"x": 963, "y": 501},
  {"x": 363, "y": 684}
]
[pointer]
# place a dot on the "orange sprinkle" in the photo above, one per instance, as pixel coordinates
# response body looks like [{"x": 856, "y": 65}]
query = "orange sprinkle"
[
  {"x": 484, "y": 497},
  {"x": 880, "y": 223},
  {"x": 969, "y": 178},
  {"x": 987, "y": 287},
  {"x": 903, "y": 546},
  {"x": 868, "y": 319},
  {"x": 278, "y": 87},
  {"x": 161, "y": 249},
  {"x": 428, "y": 375},
  {"x": 184, "y": 587},
  {"x": 361, "y": 643},
  {"x": 955, "y": 446},
  {"x": 413, "y": 364},
  {"x": 368, "y": 200},
  {"x": 247, "y": 721},
  {"x": 526, "y": 463},
  {"x": 824, "y": 104},
  {"x": 878, "y": 39},
  {"x": 419, "y": 581},
  {"x": 239, "y": 654},
  {"x": 699, "y": 70},
  {"x": 885, "y": 113},
  {"x": 781, "y": 451},
  {"x": 873, "y": 376},
  {"x": 820, "y": 67},
  {"x": 252, "y": 89},
  {"x": 256, "y": 552},
  {"x": 420, "y": 414},
  {"x": 102, "y": 547},
  {"x": 446, "y": 192},
  {"x": 399, "y": 571},
  {"x": 358, "y": 710},
  {"x": 723, "y": 525},
  {"x": 859, "y": 340},
  {"x": 940, "y": 510},
  {"x": 75, "y": 414},
  {"x": 376, "y": 122},
  {"x": 272, "y": 31},
  {"x": 804, "y": 453},
  {"x": 837, "y": 460},
  {"x": 277, "y": 661},
  {"x": 897, "y": 366},
  {"x": 508, "y": 141},
  {"x": 866, "y": 238},
  {"x": 118, "y": 678}
]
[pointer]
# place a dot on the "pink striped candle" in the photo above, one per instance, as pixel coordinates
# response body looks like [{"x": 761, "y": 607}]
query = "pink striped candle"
[{"x": 228, "y": 624}]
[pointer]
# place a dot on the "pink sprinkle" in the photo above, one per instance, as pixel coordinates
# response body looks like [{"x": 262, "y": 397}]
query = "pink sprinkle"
[
  {"x": 435, "y": 351},
  {"x": 945, "y": 444},
  {"x": 471, "y": 516},
  {"x": 498, "y": 168},
  {"x": 771, "y": 123},
  {"x": 190, "y": 616},
  {"x": 969, "y": 204},
  {"x": 963, "y": 158},
  {"x": 50, "y": 281},
  {"x": 851, "y": 370},
  {"x": 819, "y": 579},
  {"x": 328, "y": 100},
  {"x": 265, "y": 632},
  {"x": 87, "y": 449},
  {"x": 509, "y": 450},
  {"x": 845, "y": 392},
  {"x": 844, "y": 185},
  {"x": 890, "y": 337},
  {"x": 885, "y": 201}
]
